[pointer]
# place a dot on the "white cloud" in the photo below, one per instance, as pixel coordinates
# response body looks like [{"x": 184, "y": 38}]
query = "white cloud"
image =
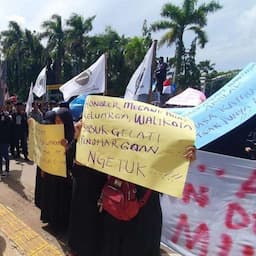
[
  {"x": 231, "y": 30},
  {"x": 246, "y": 24}
]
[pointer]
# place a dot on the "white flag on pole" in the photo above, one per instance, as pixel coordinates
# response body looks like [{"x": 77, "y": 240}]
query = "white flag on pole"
[
  {"x": 30, "y": 100},
  {"x": 140, "y": 82},
  {"x": 92, "y": 80},
  {"x": 40, "y": 85}
]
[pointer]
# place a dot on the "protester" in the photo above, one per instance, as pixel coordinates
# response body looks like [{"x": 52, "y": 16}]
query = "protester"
[
  {"x": 19, "y": 132},
  {"x": 99, "y": 234},
  {"x": 86, "y": 223},
  {"x": 52, "y": 104},
  {"x": 250, "y": 145},
  {"x": 5, "y": 137},
  {"x": 160, "y": 74},
  {"x": 140, "y": 236},
  {"x": 43, "y": 185},
  {"x": 9, "y": 107},
  {"x": 36, "y": 112},
  {"x": 233, "y": 143},
  {"x": 55, "y": 204}
]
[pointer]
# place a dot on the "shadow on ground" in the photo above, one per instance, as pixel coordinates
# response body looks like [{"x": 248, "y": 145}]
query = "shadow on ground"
[{"x": 13, "y": 182}]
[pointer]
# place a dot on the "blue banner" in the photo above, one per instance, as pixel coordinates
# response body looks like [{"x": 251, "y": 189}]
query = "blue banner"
[
  {"x": 228, "y": 108},
  {"x": 76, "y": 106}
]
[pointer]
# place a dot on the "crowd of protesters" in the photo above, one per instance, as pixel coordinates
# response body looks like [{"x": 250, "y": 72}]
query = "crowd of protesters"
[
  {"x": 13, "y": 134},
  {"x": 14, "y": 130},
  {"x": 70, "y": 205}
]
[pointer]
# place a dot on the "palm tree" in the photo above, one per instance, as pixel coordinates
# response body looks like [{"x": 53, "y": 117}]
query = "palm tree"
[
  {"x": 134, "y": 52},
  {"x": 55, "y": 45},
  {"x": 34, "y": 55},
  {"x": 12, "y": 48},
  {"x": 178, "y": 20},
  {"x": 113, "y": 44},
  {"x": 77, "y": 38},
  {"x": 207, "y": 67}
]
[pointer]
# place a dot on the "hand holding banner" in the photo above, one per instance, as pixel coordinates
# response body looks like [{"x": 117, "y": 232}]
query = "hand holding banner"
[{"x": 137, "y": 142}]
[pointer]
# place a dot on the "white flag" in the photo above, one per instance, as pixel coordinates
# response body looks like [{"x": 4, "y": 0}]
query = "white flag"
[
  {"x": 140, "y": 82},
  {"x": 40, "y": 85},
  {"x": 30, "y": 100},
  {"x": 92, "y": 80}
]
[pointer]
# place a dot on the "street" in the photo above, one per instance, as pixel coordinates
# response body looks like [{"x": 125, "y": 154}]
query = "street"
[
  {"x": 26, "y": 234},
  {"x": 21, "y": 231}
]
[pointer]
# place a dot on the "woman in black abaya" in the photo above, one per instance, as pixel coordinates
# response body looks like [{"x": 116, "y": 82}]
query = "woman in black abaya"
[
  {"x": 55, "y": 208},
  {"x": 48, "y": 119},
  {"x": 86, "y": 223},
  {"x": 99, "y": 234},
  {"x": 140, "y": 236}
]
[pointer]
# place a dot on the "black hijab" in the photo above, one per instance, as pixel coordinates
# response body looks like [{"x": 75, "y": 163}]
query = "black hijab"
[
  {"x": 49, "y": 117},
  {"x": 67, "y": 119}
]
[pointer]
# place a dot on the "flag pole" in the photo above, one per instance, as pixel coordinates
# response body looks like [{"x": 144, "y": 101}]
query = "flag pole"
[
  {"x": 106, "y": 73},
  {"x": 153, "y": 64},
  {"x": 47, "y": 91}
]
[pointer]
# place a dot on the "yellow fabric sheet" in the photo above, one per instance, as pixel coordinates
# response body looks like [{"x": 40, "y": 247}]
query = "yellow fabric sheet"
[
  {"x": 136, "y": 142},
  {"x": 45, "y": 149}
]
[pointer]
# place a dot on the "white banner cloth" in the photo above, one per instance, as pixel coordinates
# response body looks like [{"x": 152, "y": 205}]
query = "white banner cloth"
[
  {"x": 140, "y": 82},
  {"x": 92, "y": 80},
  {"x": 217, "y": 214},
  {"x": 40, "y": 86}
]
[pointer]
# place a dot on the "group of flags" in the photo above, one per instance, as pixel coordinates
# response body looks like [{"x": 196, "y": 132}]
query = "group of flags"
[{"x": 93, "y": 81}]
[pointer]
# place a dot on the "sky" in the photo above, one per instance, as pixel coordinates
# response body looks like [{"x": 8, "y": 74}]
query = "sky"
[{"x": 231, "y": 31}]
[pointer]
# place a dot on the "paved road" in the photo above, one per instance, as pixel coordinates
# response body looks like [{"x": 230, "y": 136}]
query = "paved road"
[
  {"x": 18, "y": 211},
  {"x": 27, "y": 234}
]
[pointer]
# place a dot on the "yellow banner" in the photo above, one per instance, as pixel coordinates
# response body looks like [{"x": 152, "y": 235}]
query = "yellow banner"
[
  {"x": 136, "y": 142},
  {"x": 45, "y": 149}
]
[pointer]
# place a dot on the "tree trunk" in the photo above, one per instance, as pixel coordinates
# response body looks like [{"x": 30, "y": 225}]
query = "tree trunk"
[{"x": 178, "y": 56}]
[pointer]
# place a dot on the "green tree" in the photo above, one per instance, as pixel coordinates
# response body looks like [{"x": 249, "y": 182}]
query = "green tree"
[
  {"x": 217, "y": 80},
  {"x": 207, "y": 67},
  {"x": 12, "y": 47},
  {"x": 146, "y": 34},
  {"x": 24, "y": 55},
  {"x": 55, "y": 35},
  {"x": 190, "y": 73},
  {"x": 113, "y": 44},
  {"x": 34, "y": 59},
  {"x": 135, "y": 51},
  {"x": 180, "y": 19},
  {"x": 77, "y": 40}
]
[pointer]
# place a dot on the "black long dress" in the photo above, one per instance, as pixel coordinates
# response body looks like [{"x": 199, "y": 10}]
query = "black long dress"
[
  {"x": 86, "y": 223},
  {"x": 38, "y": 188},
  {"x": 56, "y": 191},
  {"x": 139, "y": 237}
]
